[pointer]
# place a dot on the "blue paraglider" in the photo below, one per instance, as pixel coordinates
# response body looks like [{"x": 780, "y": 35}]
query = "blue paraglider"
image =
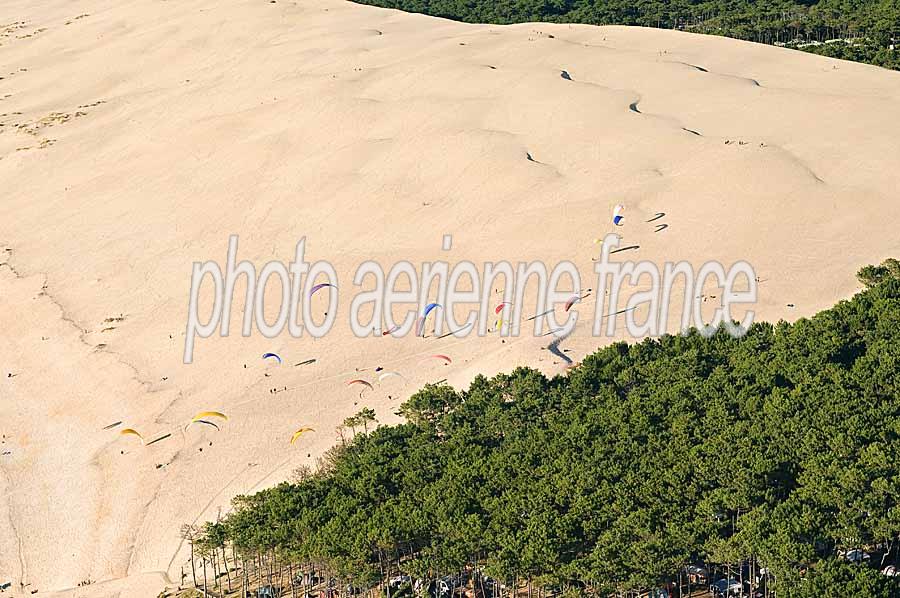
[{"x": 272, "y": 355}]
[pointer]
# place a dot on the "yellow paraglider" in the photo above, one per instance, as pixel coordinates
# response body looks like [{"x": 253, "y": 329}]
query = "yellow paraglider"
[
  {"x": 131, "y": 432},
  {"x": 205, "y": 414},
  {"x": 299, "y": 433}
]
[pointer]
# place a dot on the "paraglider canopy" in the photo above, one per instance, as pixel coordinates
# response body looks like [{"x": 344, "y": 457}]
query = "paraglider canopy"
[
  {"x": 617, "y": 214},
  {"x": 363, "y": 382},
  {"x": 320, "y": 286},
  {"x": 273, "y": 356},
  {"x": 202, "y": 418},
  {"x": 299, "y": 433},
  {"x": 572, "y": 301},
  {"x": 420, "y": 324},
  {"x": 389, "y": 374},
  {"x": 206, "y": 414}
]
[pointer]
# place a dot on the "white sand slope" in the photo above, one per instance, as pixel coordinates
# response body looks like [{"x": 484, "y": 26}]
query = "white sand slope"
[{"x": 136, "y": 136}]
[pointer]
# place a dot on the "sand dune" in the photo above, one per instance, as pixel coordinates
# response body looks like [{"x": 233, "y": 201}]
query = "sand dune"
[{"x": 135, "y": 138}]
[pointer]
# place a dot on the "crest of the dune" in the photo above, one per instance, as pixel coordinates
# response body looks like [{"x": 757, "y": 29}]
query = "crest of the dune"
[{"x": 136, "y": 137}]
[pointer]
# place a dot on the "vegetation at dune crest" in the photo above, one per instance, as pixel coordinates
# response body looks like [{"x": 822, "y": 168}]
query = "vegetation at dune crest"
[
  {"x": 860, "y": 30},
  {"x": 771, "y": 461},
  {"x": 871, "y": 276}
]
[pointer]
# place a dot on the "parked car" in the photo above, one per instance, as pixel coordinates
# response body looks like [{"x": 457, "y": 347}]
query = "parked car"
[
  {"x": 854, "y": 556},
  {"x": 696, "y": 574},
  {"x": 399, "y": 580},
  {"x": 726, "y": 588},
  {"x": 308, "y": 579},
  {"x": 266, "y": 592}
]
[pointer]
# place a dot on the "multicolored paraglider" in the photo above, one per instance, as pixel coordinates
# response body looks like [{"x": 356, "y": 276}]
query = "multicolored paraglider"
[
  {"x": 272, "y": 356},
  {"x": 617, "y": 215},
  {"x": 320, "y": 286},
  {"x": 420, "y": 324},
  {"x": 299, "y": 433}
]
